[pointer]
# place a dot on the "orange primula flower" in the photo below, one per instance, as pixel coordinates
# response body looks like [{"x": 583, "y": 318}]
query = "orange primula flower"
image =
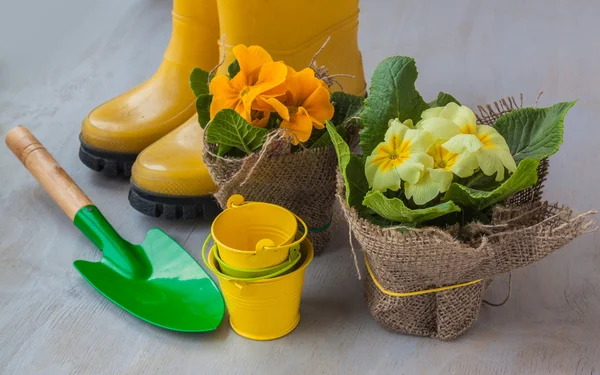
[
  {"x": 259, "y": 78},
  {"x": 306, "y": 104}
]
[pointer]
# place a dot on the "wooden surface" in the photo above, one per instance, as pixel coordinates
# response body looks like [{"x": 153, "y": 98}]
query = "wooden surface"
[{"x": 60, "y": 58}]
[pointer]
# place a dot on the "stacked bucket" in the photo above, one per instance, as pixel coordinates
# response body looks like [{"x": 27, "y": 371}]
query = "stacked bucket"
[{"x": 259, "y": 257}]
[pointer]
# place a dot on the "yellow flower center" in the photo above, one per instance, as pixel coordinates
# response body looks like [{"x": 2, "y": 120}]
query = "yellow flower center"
[
  {"x": 244, "y": 91},
  {"x": 442, "y": 158},
  {"x": 392, "y": 154},
  {"x": 468, "y": 129},
  {"x": 485, "y": 140},
  {"x": 292, "y": 110}
]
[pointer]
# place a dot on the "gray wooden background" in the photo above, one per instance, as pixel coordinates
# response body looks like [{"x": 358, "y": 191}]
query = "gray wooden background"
[{"x": 60, "y": 58}]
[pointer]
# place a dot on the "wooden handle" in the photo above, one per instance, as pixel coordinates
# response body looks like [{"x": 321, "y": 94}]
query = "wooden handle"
[{"x": 46, "y": 170}]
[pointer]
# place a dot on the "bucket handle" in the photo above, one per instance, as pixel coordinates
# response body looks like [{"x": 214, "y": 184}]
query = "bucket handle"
[{"x": 293, "y": 244}]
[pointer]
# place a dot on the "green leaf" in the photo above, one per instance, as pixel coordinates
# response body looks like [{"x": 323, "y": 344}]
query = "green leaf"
[
  {"x": 346, "y": 106},
  {"x": 325, "y": 139},
  {"x": 223, "y": 149},
  {"x": 443, "y": 99},
  {"x": 228, "y": 128},
  {"x": 233, "y": 68},
  {"x": 525, "y": 176},
  {"x": 203, "y": 108},
  {"x": 199, "y": 82},
  {"x": 394, "y": 209},
  {"x": 534, "y": 133},
  {"x": 392, "y": 94},
  {"x": 352, "y": 167}
]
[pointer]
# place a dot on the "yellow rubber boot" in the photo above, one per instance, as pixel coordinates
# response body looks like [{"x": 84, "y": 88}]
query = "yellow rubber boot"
[
  {"x": 115, "y": 132},
  {"x": 294, "y": 30},
  {"x": 169, "y": 178}
]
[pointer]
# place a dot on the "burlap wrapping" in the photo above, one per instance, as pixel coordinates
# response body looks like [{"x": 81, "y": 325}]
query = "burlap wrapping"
[
  {"x": 522, "y": 231},
  {"x": 303, "y": 182}
]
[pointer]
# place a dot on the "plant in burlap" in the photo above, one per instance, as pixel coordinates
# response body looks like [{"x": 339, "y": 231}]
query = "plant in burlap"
[
  {"x": 444, "y": 199},
  {"x": 265, "y": 135}
]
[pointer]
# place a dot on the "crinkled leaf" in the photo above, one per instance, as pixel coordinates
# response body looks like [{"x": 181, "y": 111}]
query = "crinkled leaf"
[
  {"x": 525, "y": 176},
  {"x": 443, "y": 99},
  {"x": 347, "y": 107},
  {"x": 325, "y": 139},
  {"x": 534, "y": 133},
  {"x": 394, "y": 209},
  {"x": 392, "y": 94},
  {"x": 228, "y": 128},
  {"x": 199, "y": 82},
  {"x": 233, "y": 68},
  {"x": 203, "y": 108},
  {"x": 352, "y": 167}
]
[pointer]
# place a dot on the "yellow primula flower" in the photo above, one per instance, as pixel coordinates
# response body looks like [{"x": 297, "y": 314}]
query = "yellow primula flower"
[
  {"x": 401, "y": 157},
  {"x": 307, "y": 103},
  {"x": 259, "y": 78},
  {"x": 457, "y": 126},
  {"x": 439, "y": 173}
]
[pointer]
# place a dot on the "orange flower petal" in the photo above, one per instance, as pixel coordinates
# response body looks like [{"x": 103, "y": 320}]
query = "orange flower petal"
[
  {"x": 300, "y": 125},
  {"x": 263, "y": 121},
  {"x": 251, "y": 59},
  {"x": 301, "y": 84},
  {"x": 279, "y": 107},
  {"x": 319, "y": 107},
  {"x": 272, "y": 75},
  {"x": 221, "y": 86}
]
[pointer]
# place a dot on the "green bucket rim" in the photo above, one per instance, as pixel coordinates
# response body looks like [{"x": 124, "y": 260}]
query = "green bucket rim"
[{"x": 293, "y": 259}]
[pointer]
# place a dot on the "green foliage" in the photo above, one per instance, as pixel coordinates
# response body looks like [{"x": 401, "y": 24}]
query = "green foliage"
[
  {"x": 534, "y": 132},
  {"x": 443, "y": 99},
  {"x": 199, "y": 82},
  {"x": 524, "y": 177},
  {"x": 352, "y": 167},
  {"x": 229, "y": 129},
  {"x": 394, "y": 209},
  {"x": 203, "y": 108},
  {"x": 392, "y": 94},
  {"x": 233, "y": 69}
]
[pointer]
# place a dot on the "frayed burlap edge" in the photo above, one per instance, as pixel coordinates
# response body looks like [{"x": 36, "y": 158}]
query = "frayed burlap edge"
[{"x": 522, "y": 232}]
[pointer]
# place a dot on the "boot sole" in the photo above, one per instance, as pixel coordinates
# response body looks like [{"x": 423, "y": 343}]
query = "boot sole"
[
  {"x": 107, "y": 162},
  {"x": 172, "y": 207}
]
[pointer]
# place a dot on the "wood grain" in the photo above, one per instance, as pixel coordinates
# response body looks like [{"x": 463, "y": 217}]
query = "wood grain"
[
  {"x": 59, "y": 59},
  {"x": 46, "y": 170}
]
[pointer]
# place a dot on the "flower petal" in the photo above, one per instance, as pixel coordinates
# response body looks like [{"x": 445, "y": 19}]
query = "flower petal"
[
  {"x": 420, "y": 141},
  {"x": 465, "y": 165},
  {"x": 423, "y": 191},
  {"x": 412, "y": 169},
  {"x": 440, "y": 127},
  {"x": 462, "y": 142},
  {"x": 462, "y": 116},
  {"x": 271, "y": 75},
  {"x": 300, "y": 125},
  {"x": 490, "y": 137},
  {"x": 301, "y": 85},
  {"x": 262, "y": 120},
  {"x": 507, "y": 159},
  {"x": 318, "y": 106},
  {"x": 490, "y": 163},
  {"x": 395, "y": 130},
  {"x": 251, "y": 59},
  {"x": 386, "y": 179},
  {"x": 432, "y": 112},
  {"x": 442, "y": 178},
  {"x": 278, "y": 107}
]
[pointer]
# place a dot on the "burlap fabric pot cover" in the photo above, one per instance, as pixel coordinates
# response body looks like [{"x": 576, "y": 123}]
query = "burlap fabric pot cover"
[
  {"x": 522, "y": 232},
  {"x": 303, "y": 182}
]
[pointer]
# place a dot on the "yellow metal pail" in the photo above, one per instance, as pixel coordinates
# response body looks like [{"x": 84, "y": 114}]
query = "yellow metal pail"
[
  {"x": 263, "y": 309},
  {"x": 255, "y": 235}
]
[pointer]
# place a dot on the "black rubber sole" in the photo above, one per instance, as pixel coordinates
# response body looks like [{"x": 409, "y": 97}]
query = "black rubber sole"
[
  {"x": 173, "y": 208},
  {"x": 107, "y": 162}
]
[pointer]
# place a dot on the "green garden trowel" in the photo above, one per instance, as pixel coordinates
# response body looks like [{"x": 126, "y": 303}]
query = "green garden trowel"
[{"x": 157, "y": 281}]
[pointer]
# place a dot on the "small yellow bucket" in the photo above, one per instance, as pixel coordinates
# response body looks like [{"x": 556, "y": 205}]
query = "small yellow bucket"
[
  {"x": 263, "y": 309},
  {"x": 255, "y": 235}
]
